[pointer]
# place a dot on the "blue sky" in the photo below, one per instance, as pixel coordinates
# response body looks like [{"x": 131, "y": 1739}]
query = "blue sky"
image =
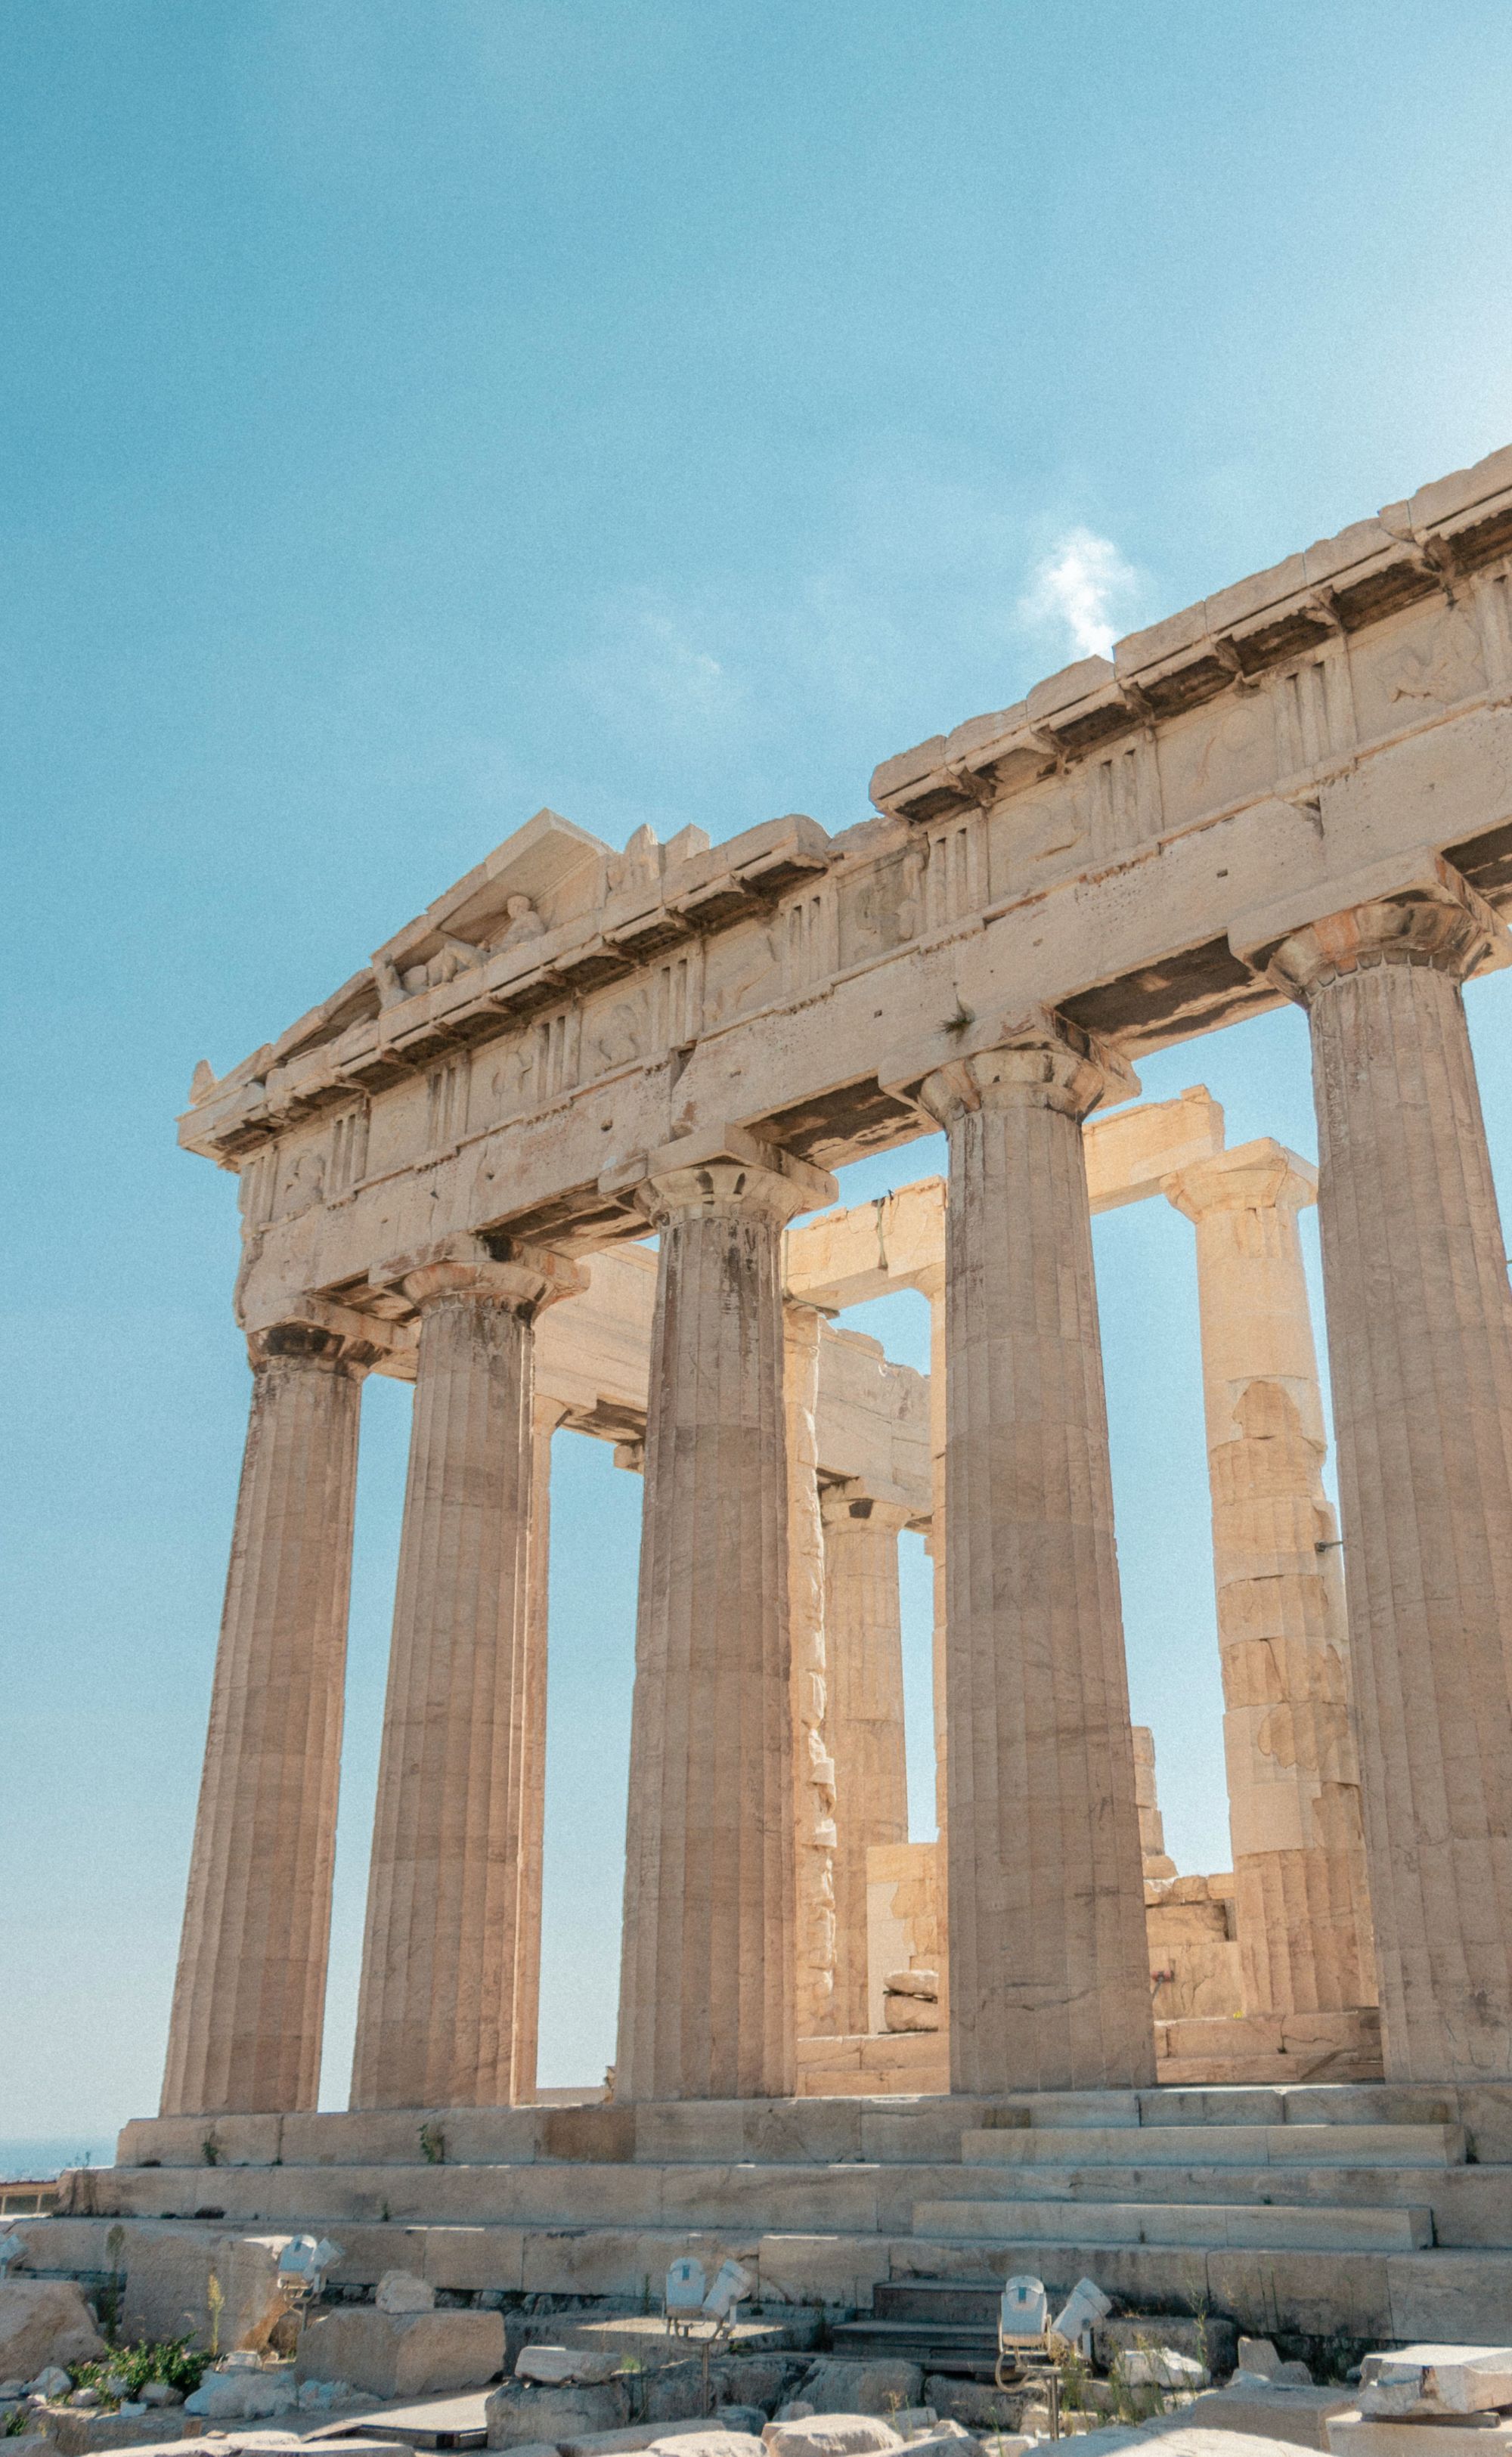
[{"x": 415, "y": 411}]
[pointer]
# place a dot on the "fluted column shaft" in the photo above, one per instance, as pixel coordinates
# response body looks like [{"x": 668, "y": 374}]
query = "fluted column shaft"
[
  {"x": 249, "y": 1999},
  {"x": 1048, "y": 1982},
  {"x": 813, "y": 1765},
  {"x": 1289, "y": 1743},
  {"x": 1419, "y": 1329},
  {"x": 863, "y": 1644},
  {"x": 446, "y": 1924},
  {"x": 707, "y": 1967},
  {"x": 931, "y": 1285},
  {"x": 548, "y": 1417}
]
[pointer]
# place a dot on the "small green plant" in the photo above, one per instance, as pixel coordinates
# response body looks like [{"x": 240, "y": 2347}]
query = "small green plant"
[
  {"x": 432, "y": 2143},
  {"x": 1136, "y": 2401},
  {"x": 210, "y": 2150},
  {"x": 128, "y": 2369},
  {"x": 1073, "y": 2369},
  {"x": 215, "y": 2299},
  {"x": 16, "y": 2424},
  {"x": 1200, "y": 2305},
  {"x": 113, "y": 2290}
]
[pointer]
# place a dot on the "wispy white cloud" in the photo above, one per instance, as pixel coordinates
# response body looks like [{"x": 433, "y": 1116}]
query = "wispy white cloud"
[
  {"x": 672, "y": 663},
  {"x": 650, "y": 667},
  {"x": 1081, "y": 583}
]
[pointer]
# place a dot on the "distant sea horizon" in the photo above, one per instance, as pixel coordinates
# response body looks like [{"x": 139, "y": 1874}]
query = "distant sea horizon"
[{"x": 25, "y": 2155}]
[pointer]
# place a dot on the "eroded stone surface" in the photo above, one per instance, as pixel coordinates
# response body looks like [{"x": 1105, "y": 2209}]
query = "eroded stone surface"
[
  {"x": 408, "y": 2354},
  {"x": 43, "y": 2322},
  {"x": 1294, "y": 1780},
  {"x": 1049, "y": 1984}
]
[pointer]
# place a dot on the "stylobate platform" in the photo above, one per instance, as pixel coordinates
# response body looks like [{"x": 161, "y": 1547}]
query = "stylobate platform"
[{"x": 1371, "y": 2211}]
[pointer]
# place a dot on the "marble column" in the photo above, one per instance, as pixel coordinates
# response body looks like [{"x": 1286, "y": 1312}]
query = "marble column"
[
  {"x": 931, "y": 1285},
  {"x": 548, "y": 1415},
  {"x": 1049, "y": 1988},
  {"x": 1302, "y": 1905},
  {"x": 1284, "y": 1647},
  {"x": 864, "y": 1645},
  {"x": 706, "y": 1987},
  {"x": 813, "y": 1766},
  {"x": 446, "y": 1924},
  {"x": 1419, "y": 1332},
  {"x": 1157, "y": 1860},
  {"x": 249, "y": 1999}
]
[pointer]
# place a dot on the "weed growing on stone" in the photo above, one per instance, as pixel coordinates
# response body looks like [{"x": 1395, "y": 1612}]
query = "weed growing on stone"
[
  {"x": 113, "y": 2293},
  {"x": 173, "y": 2361},
  {"x": 1073, "y": 2369}
]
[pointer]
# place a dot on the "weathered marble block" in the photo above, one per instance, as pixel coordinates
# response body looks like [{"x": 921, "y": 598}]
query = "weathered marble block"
[{"x": 402, "y": 2354}]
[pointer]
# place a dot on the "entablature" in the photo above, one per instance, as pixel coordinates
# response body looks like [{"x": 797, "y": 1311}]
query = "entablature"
[{"x": 755, "y": 988}]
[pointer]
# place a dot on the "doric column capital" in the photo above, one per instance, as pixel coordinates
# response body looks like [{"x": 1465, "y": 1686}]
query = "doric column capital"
[
  {"x": 525, "y": 1281},
  {"x": 722, "y": 1171},
  {"x": 1259, "y": 1176},
  {"x": 855, "y": 1504},
  {"x": 1034, "y": 1058},
  {"x": 729, "y": 1174},
  {"x": 319, "y": 1347},
  {"x": 1414, "y": 911},
  {"x": 721, "y": 1187}
]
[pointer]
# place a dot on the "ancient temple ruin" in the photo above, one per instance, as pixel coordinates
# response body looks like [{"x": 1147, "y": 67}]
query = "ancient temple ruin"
[{"x": 561, "y": 1154}]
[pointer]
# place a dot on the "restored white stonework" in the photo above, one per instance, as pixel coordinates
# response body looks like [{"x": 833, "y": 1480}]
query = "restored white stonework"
[
  {"x": 863, "y": 1644},
  {"x": 813, "y": 1776}
]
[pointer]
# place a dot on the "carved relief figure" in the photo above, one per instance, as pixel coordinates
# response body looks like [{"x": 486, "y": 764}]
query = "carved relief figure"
[
  {"x": 510, "y": 1079},
  {"x": 455, "y": 955},
  {"x": 619, "y": 1033},
  {"x": 745, "y": 970},
  {"x": 1445, "y": 668},
  {"x": 523, "y": 922},
  {"x": 306, "y": 1184},
  {"x": 639, "y": 865}
]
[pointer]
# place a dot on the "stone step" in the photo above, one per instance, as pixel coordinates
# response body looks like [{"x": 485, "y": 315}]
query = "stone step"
[
  {"x": 1218, "y": 2145},
  {"x": 846, "y": 2195},
  {"x": 788, "y": 2131},
  {"x": 1469, "y": 2206},
  {"x": 1434, "y": 2295},
  {"x": 963, "y": 2352},
  {"x": 938, "y": 2302},
  {"x": 1229, "y": 2225},
  {"x": 1281, "y": 2070},
  {"x": 696, "y": 2131}
]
